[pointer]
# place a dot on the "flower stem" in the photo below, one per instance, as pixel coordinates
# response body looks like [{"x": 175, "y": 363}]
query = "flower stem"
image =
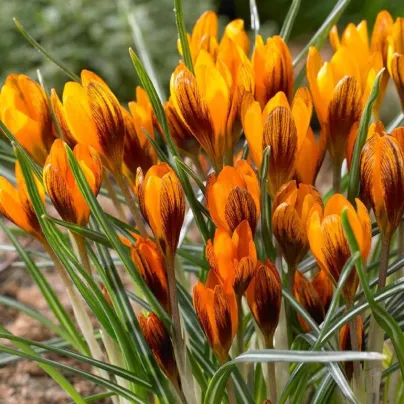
[
  {"x": 81, "y": 248},
  {"x": 179, "y": 346},
  {"x": 336, "y": 179},
  {"x": 134, "y": 210},
  {"x": 240, "y": 329},
  {"x": 80, "y": 313},
  {"x": 373, "y": 369},
  {"x": 271, "y": 381},
  {"x": 290, "y": 313},
  {"x": 114, "y": 198}
]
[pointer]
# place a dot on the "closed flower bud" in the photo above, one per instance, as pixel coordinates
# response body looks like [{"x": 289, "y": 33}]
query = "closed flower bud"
[
  {"x": 61, "y": 185},
  {"x": 90, "y": 114},
  {"x": 179, "y": 130},
  {"x": 381, "y": 172},
  {"x": 25, "y": 111},
  {"x": 315, "y": 296},
  {"x": 16, "y": 205},
  {"x": 395, "y": 57},
  {"x": 264, "y": 296},
  {"x": 162, "y": 203},
  {"x": 150, "y": 263},
  {"x": 339, "y": 89},
  {"x": 345, "y": 341},
  {"x": 234, "y": 196},
  {"x": 273, "y": 69},
  {"x": 216, "y": 307},
  {"x": 233, "y": 257},
  {"x": 329, "y": 244},
  {"x": 159, "y": 341},
  {"x": 292, "y": 208},
  {"x": 204, "y": 102},
  {"x": 287, "y": 130},
  {"x": 138, "y": 150}
]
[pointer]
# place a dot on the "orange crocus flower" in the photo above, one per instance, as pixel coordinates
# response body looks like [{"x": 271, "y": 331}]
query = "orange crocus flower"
[
  {"x": 273, "y": 69},
  {"x": 16, "y": 205},
  {"x": 90, "y": 114},
  {"x": 234, "y": 196},
  {"x": 216, "y": 307},
  {"x": 150, "y": 263},
  {"x": 339, "y": 89},
  {"x": 25, "y": 111},
  {"x": 205, "y": 35},
  {"x": 382, "y": 171},
  {"x": 329, "y": 244},
  {"x": 61, "y": 186},
  {"x": 180, "y": 131},
  {"x": 233, "y": 257},
  {"x": 162, "y": 203},
  {"x": 315, "y": 296},
  {"x": 395, "y": 57},
  {"x": 264, "y": 296},
  {"x": 287, "y": 130},
  {"x": 292, "y": 208},
  {"x": 159, "y": 341}
]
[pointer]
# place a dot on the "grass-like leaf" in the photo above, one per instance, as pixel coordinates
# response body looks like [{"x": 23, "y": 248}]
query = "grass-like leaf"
[
  {"x": 354, "y": 177},
  {"x": 290, "y": 20}
]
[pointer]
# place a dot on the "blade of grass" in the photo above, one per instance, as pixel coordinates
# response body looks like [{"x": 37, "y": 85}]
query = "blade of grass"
[{"x": 290, "y": 20}]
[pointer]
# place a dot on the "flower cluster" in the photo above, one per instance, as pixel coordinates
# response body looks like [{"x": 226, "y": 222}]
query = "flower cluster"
[{"x": 232, "y": 91}]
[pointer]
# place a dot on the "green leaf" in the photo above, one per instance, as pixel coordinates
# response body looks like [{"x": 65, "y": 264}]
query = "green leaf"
[
  {"x": 255, "y": 19},
  {"x": 182, "y": 34},
  {"x": 217, "y": 384},
  {"x": 290, "y": 20},
  {"x": 37, "y": 46},
  {"x": 323, "y": 392},
  {"x": 354, "y": 175},
  {"x": 100, "y": 381},
  {"x": 96, "y": 398},
  {"x": 49, "y": 294},
  {"x": 397, "y": 121},
  {"x": 114, "y": 370},
  {"x": 266, "y": 210},
  {"x": 188, "y": 170},
  {"x": 26, "y": 350},
  {"x": 383, "y": 318}
]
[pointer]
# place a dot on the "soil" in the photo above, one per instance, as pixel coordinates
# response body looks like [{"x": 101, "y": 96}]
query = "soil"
[{"x": 23, "y": 382}]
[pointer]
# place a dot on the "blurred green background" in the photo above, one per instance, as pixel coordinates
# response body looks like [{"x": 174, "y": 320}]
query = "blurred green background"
[{"x": 96, "y": 34}]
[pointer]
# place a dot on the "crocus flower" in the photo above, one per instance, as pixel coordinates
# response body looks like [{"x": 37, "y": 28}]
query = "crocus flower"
[
  {"x": 233, "y": 257},
  {"x": 16, "y": 205},
  {"x": 381, "y": 172},
  {"x": 162, "y": 203},
  {"x": 25, "y": 111},
  {"x": 292, "y": 208},
  {"x": 234, "y": 196},
  {"x": 329, "y": 244},
  {"x": 216, "y": 307},
  {"x": 150, "y": 263},
  {"x": 90, "y": 114},
  {"x": 61, "y": 186}
]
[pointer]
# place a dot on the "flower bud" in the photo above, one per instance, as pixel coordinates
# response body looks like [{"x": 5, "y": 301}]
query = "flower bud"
[
  {"x": 233, "y": 257},
  {"x": 315, "y": 296},
  {"x": 264, "y": 296},
  {"x": 25, "y": 111},
  {"x": 61, "y": 185},
  {"x": 273, "y": 69},
  {"x": 90, "y": 114},
  {"x": 16, "y": 205},
  {"x": 329, "y": 244},
  {"x": 345, "y": 341},
  {"x": 234, "y": 196},
  {"x": 150, "y": 263},
  {"x": 159, "y": 341},
  {"x": 216, "y": 307},
  {"x": 292, "y": 208},
  {"x": 162, "y": 203},
  {"x": 381, "y": 172}
]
